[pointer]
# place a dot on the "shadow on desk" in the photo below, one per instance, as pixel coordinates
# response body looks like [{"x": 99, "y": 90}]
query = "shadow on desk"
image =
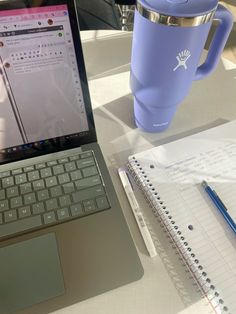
[
  {"x": 112, "y": 56},
  {"x": 107, "y": 57},
  {"x": 210, "y": 99},
  {"x": 203, "y": 108}
]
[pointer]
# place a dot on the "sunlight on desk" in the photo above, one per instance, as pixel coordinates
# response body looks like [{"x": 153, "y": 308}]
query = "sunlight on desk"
[
  {"x": 166, "y": 286},
  {"x": 113, "y": 86},
  {"x": 228, "y": 65}
]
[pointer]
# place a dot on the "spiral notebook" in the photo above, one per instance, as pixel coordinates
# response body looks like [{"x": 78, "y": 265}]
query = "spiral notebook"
[{"x": 170, "y": 176}]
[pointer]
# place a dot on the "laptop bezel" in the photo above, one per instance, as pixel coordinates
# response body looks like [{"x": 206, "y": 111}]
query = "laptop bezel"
[{"x": 59, "y": 143}]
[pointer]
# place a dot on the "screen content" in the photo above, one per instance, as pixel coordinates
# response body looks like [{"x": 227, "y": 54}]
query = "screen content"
[{"x": 40, "y": 88}]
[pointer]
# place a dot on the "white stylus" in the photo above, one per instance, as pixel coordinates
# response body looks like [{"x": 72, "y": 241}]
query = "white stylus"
[{"x": 137, "y": 213}]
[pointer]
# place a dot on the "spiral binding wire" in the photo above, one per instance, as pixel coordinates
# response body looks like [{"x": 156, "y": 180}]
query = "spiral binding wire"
[{"x": 160, "y": 211}]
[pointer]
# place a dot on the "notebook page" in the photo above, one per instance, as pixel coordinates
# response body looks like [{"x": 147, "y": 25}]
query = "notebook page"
[{"x": 176, "y": 172}]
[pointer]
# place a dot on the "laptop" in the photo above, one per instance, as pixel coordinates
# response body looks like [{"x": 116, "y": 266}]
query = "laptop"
[{"x": 63, "y": 236}]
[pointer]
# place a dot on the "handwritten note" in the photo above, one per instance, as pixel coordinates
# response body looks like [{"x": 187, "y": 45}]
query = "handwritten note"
[{"x": 174, "y": 173}]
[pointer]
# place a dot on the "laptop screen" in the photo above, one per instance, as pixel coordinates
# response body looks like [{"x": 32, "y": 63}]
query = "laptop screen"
[{"x": 41, "y": 98}]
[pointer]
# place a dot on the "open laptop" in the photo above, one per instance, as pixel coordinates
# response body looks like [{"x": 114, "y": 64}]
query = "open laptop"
[{"x": 63, "y": 237}]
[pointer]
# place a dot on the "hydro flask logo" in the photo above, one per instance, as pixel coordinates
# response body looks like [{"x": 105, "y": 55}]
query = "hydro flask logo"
[{"x": 182, "y": 58}]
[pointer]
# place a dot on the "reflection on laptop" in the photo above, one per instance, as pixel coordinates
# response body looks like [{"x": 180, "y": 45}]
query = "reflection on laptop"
[
  {"x": 55, "y": 187},
  {"x": 43, "y": 98}
]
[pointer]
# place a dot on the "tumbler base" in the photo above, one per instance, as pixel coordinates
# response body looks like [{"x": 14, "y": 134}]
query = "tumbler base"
[{"x": 152, "y": 119}]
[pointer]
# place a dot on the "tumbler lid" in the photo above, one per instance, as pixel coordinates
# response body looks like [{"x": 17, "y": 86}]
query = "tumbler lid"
[{"x": 180, "y": 8}]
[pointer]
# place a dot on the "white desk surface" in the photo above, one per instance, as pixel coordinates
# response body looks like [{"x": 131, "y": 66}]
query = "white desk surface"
[{"x": 165, "y": 287}]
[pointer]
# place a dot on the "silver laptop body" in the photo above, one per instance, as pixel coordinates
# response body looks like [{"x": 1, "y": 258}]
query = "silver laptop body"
[{"x": 63, "y": 237}]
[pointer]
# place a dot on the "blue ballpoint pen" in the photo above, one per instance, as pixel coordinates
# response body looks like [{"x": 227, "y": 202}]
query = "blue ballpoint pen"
[{"x": 220, "y": 205}]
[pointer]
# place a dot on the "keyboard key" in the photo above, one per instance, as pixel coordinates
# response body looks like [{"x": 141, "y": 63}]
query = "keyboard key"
[
  {"x": 40, "y": 166},
  {"x": 12, "y": 191},
  {"x": 38, "y": 208},
  {"x": 16, "y": 171},
  {"x": 6, "y": 182},
  {"x": 82, "y": 195},
  {"x": 76, "y": 210},
  {"x": 25, "y": 188},
  {"x": 52, "y": 181},
  {"x": 38, "y": 185},
  {"x": 76, "y": 175},
  {"x": 86, "y": 162},
  {"x": 49, "y": 218},
  {"x": 63, "y": 213},
  {"x": 64, "y": 201},
  {"x": 21, "y": 178},
  {"x": 86, "y": 154},
  {"x": 70, "y": 166},
  {"x": 75, "y": 157},
  {"x": 58, "y": 169},
  {"x": 33, "y": 175},
  {"x": 2, "y": 194},
  {"x": 51, "y": 204},
  {"x": 46, "y": 172},
  {"x": 89, "y": 205},
  {"x": 90, "y": 171},
  {"x": 63, "y": 160},
  {"x": 4, "y": 205},
  {"x": 68, "y": 188},
  {"x": 10, "y": 215},
  {"x": 63, "y": 178},
  {"x": 51, "y": 163},
  {"x": 24, "y": 212},
  {"x": 29, "y": 198},
  {"x": 56, "y": 191},
  {"x": 102, "y": 202},
  {"x": 20, "y": 225},
  {"x": 43, "y": 195},
  {"x": 28, "y": 168},
  {"x": 1, "y": 220},
  {"x": 16, "y": 202},
  {"x": 5, "y": 174},
  {"x": 87, "y": 182}
]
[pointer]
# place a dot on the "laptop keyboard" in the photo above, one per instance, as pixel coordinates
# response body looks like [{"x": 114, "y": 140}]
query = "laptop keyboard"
[{"x": 51, "y": 192}]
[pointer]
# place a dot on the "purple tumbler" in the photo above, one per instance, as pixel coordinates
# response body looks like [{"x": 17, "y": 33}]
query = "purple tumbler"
[{"x": 168, "y": 41}]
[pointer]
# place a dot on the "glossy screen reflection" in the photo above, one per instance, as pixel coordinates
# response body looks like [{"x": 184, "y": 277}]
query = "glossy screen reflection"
[{"x": 40, "y": 88}]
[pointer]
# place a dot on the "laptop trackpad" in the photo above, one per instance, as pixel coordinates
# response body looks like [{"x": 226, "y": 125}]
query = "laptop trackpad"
[{"x": 30, "y": 273}]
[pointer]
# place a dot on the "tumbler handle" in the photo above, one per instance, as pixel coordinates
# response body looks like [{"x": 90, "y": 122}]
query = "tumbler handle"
[{"x": 220, "y": 37}]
